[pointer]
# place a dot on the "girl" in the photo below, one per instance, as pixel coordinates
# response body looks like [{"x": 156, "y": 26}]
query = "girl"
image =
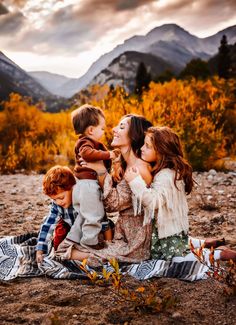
[{"x": 165, "y": 200}]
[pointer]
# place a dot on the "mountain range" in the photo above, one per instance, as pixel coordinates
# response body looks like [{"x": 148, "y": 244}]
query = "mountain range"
[
  {"x": 169, "y": 42},
  {"x": 14, "y": 79},
  {"x": 51, "y": 81},
  {"x": 168, "y": 47}
]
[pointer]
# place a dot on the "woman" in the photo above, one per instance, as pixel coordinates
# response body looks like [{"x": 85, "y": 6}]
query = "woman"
[{"x": 132, "y": 240}]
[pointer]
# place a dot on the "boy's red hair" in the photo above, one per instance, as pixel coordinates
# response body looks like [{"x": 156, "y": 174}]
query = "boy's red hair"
[{"x": 56, "y": 179}]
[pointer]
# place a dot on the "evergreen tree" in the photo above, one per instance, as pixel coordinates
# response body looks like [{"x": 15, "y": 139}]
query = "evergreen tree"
[
  {"x": 111, "y": 88},
  {"x": 142, "y": 79},
  {"x": 165, "y": 76},
  {"x": 196, "y": 68},
  {"x": 224, "y": 59}
]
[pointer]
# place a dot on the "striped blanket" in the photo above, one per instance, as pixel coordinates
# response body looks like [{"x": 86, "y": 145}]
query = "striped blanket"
[{"x": 17, "y": 259}]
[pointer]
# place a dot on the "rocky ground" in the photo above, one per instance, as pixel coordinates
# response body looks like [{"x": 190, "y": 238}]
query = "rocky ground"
[{"x": 46, "y": 301}]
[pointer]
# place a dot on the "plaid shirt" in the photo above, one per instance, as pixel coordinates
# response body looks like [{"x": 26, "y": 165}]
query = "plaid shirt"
[{"x": 47, "y": 228}]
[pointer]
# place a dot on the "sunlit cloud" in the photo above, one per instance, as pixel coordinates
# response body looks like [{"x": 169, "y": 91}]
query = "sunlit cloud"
[{"x": 86, "y": 29}]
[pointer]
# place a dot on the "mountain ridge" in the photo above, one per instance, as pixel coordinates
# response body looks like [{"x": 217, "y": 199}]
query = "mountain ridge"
[
  {"x": 15, "y": 79},
  {"x": 203, "y": 47},
  {"x": 169, "y": 42}
]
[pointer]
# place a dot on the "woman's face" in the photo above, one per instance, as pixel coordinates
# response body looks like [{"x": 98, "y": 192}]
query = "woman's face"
[
  {"x": 148, "y": 152},
  {"x": 120, "y": 133}
]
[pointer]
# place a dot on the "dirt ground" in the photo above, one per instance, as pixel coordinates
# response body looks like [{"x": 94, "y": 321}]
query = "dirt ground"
[{"x": 46, "y": 301}]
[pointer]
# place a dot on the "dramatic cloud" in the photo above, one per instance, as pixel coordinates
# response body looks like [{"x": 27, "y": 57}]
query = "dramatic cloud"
[
  {"x": 88, "y": 28},
  {"x": 76, "y": 28},
  {"x": 116, "y": 5},
  {"x": 11, "y": 23}
]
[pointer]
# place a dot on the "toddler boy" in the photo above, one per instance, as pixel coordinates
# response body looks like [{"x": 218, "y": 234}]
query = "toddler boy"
[
  {"x": 88, "y": 122},
  {"x": 58, "y": 184}
]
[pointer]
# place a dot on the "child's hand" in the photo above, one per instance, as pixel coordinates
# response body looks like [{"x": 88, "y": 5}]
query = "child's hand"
[
  {"x": 114, "y": 154},
  {"x": 39, "y": 257},
  {"x": 131, "y": 173}
]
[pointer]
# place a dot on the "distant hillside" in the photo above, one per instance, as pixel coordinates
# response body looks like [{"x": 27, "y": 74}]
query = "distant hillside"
[
  {"x": 169, "y": 42},
  {"x": 123, "y": 69},
  {"x": 15, "y": 79},
  {"x": 50, "y": 81}
]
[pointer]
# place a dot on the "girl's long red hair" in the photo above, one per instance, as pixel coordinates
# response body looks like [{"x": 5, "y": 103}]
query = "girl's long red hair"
[{"x": 167, "y": 144}]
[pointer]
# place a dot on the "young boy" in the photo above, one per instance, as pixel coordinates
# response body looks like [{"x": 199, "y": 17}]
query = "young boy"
[
  {"x": 88, "y": 122},
  {"x": 58, "y": 184}
]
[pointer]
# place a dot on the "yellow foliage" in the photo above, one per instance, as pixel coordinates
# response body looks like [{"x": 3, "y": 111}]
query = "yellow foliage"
[{"x": 201, "y": 112}]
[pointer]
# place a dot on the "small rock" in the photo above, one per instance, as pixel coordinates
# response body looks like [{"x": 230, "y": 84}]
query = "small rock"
[
  {"x": 218, "y": 219},
  {"x": 176, "y": 314},
  {"x": 210, "y": 177},
  {"x": 212, "y": 172}
]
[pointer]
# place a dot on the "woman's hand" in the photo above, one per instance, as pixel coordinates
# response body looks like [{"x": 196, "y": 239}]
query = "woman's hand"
[
  {"x": 131, "y": 173},
  {"x": 98, "y": 166}
]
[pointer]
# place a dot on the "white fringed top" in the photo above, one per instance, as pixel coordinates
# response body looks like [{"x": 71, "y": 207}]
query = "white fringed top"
[{"x": 162, "y": 201}]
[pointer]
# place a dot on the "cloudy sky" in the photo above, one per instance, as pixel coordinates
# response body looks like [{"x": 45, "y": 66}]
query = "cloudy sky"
[{"x": 67, "y": 36}]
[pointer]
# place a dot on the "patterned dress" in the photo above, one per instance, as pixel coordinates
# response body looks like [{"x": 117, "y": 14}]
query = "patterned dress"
[
  {"x": 169, "y": 247},
  {"x": 132, "y": 240}
]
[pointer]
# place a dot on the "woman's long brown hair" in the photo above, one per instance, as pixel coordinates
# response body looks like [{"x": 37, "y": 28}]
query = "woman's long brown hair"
[{"x": 167, "y": 144}]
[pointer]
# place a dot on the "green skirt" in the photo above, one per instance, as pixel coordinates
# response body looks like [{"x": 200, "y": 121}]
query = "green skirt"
[{"x": 166, "y": 248}]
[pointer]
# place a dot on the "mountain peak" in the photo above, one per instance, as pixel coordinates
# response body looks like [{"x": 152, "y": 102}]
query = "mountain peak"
[{"x": 166, "y": 29}]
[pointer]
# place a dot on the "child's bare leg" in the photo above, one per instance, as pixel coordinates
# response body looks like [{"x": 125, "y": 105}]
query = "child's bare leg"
[
  {"x": 77, "y": 255},
  {"x": 214, "y": 242},
  {"x": 208, "y": 242},
  {"x": 227, "y": 254}
]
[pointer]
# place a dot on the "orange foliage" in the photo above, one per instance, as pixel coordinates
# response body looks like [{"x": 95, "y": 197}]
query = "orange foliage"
[
  {"x": 31, "y": 139},
  {"x": 197, "y": 110}
]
